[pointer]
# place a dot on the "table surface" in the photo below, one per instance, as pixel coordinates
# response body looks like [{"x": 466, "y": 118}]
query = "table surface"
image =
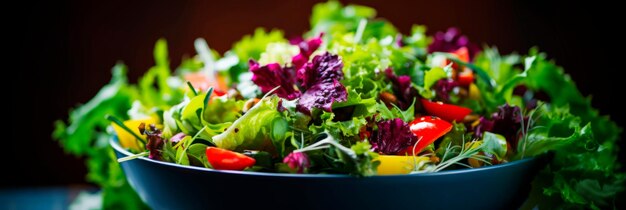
[{"x": 56, "y": 198}]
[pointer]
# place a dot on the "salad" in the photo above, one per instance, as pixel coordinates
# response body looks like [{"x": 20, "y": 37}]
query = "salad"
[{"x": 352, "y": 96}]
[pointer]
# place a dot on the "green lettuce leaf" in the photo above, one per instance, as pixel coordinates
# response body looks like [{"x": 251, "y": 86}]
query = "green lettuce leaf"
[
  {"x": 255, "y": 129},
  {"x": 85, "y": 136},
  {"x": 223, "y": 109},
  {"x": 582, "y": 174}
]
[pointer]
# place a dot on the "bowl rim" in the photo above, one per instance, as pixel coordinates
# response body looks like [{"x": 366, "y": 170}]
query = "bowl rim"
[{"x": 117, "y": 147}]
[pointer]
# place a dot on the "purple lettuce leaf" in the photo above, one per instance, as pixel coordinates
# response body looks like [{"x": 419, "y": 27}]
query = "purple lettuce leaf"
[
  {"x": 323, "y": 68},
  {"x": 320, "y": 80},
  {"x": 443, "y": 87},
  {"x": 403, "y": 89},
  {"x": 484, "y": 124},
  {"x": 452, "y": 40},
  {"x": 307, "y": 47},
  {"x": 271, "y": 75},
  {"x": 155, "y": 140},
  {"x": 392, "y": 137},
  {"x": 322, "y": 95},
  {"x": 299, "y": 60},
  {"x": 507, "y": 121}
]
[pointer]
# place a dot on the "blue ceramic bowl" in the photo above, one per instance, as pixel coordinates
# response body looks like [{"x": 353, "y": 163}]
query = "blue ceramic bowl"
[{"x": 165, "y": 185}]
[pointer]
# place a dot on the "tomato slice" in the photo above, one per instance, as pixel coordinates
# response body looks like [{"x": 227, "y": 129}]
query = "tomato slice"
[
  {"x": 427, "y": 129},
  {"x": 223, "y": 159},
  {"x": 201, "y": 82},
  {"x": 447, "y": 112}
]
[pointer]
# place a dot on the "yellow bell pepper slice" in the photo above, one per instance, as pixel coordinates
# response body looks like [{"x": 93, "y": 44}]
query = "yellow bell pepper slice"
[
  {"x": 474, "y": 92},
  {"x": 398, "y": 164},
  {"x": 126, "y": 139}
]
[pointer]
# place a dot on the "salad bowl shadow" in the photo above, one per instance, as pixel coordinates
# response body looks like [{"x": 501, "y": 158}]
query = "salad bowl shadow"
[{"x": 164, "y": 185}]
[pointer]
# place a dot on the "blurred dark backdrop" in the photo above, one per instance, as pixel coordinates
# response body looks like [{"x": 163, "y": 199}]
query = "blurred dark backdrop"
[{"x": 66, "y": 50}]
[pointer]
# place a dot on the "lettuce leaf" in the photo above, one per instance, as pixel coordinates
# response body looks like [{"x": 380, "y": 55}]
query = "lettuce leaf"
[
  {"x": 582, "y": 173},
  {"x": 256, "y": 129},
  {"x": 251, "y": 47},
  {"x": 85, "y": 136},
  {"x": 321, "y": 79},
  {"x": 272, "y": 75},
  {"x": 392, "y": 137},
  {"x": 333, "y": 18}
]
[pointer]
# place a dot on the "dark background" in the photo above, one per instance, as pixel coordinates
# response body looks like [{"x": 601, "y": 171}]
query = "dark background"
[{"x": 66, "y": 49}]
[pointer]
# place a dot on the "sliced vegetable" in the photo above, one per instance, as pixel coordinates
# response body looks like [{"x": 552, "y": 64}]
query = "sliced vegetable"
[
  {"x": 223, "y": 159},
  {"x": 427, "y": 129},
  {"x": 463, "y": 54},
  {"x": 399, "y": 164},
  {"x": 201, "y": 82},
  {"x": 447, "y": 112},
  {"x": 466, "y": 77},
  {"x": 128, "y": 140}
]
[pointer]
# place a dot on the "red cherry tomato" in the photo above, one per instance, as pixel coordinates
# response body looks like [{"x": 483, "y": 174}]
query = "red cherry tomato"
[
  {"x": 463, "y": 54},
  {"x": 223, "y": 159},
  {"x": 447, "y": 112},
  {"x": 427, "y": 129},
  {"x": 466, "y": 77}
]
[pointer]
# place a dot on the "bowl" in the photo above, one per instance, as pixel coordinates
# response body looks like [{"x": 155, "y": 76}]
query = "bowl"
[{"x": 164, "y": 185}]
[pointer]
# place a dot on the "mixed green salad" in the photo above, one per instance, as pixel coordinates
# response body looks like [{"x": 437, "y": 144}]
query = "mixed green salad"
[{"x": 351, "y": 96}]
